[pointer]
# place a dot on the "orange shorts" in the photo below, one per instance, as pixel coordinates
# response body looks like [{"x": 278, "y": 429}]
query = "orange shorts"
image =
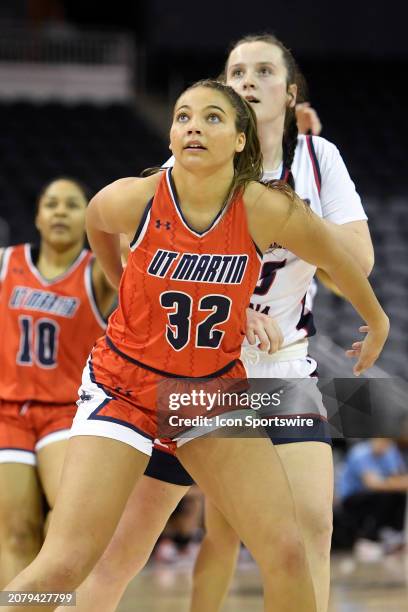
[
  {"x": 26, "y": 427},
  {"x": 124, "y": 400}
]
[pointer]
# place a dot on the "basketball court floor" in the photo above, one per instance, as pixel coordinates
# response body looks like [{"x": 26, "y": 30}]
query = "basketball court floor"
[{"x": 380, "y": 586}]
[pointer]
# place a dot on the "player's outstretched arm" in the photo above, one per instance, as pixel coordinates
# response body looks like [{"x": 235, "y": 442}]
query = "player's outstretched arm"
[{"x": 278, "y": 215}]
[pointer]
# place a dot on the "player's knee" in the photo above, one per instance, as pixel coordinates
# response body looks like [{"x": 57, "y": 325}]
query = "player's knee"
[
  {"x": 119, "y": 565},
  {"x": 292, "y": 553},
  {"x": 284, "y": 553},
  {"x": 318, "y": 528},
  {"x": 66, "y": 573},
  {"x": 22, "y": 535},
  {"x": 69, "y": 567}
]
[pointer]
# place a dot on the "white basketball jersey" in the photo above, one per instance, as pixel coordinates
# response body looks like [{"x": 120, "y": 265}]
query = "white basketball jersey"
[{"x": 322, "y": 180}]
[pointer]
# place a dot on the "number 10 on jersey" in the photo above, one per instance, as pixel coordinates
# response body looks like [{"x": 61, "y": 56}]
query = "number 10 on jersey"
[{"x": 38, "y": 342}]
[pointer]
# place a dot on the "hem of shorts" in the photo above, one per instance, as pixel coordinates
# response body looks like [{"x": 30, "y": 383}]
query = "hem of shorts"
[
  {"x": 199, "y": 432},
  {"x": 98, "y": 429},
  {"x": 16, "y": 455},
  {"x": 54, "y": 436},
  {"x": 278, "y": 441}
]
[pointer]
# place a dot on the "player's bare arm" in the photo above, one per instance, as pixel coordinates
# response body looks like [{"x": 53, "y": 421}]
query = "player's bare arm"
[
  {"x": 117, "y": 209},
  {"x": 282, "y": 217},
  {"x": 355, "y": 238},
  {"x": 104, "y": 292}
]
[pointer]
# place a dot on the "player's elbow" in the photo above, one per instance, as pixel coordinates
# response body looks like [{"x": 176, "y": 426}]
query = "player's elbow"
[
  {"x": 367, "y": 264},
  {"x": 363, "y": 253}
]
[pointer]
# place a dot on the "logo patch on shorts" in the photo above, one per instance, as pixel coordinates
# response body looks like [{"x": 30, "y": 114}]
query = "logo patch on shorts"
[{"x": 84, "y": 397}]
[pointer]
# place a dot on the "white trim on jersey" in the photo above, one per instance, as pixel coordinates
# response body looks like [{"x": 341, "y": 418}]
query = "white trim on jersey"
[
  {"x": 45, "y": 282},
  {"x": 142, "y": 232},
  {"x": 5, "y": 262},
  {"x": 90, "y": 293},
  {"x": 169, "y": 163}
]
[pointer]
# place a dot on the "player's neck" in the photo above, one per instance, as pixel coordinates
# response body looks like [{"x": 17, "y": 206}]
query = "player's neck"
[
  {"x": 204, "y": 192},
  {"x": 270, "y": 136},
  {"x": 52, "y": 263}
]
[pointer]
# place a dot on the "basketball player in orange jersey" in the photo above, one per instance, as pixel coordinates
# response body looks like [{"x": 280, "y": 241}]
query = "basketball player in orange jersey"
[
  {"x": 165, "y": 483},
  {"x": 264, "y": 71},
  {"x": 52, "y": 303},
  {"x": 195, "y": 232}
]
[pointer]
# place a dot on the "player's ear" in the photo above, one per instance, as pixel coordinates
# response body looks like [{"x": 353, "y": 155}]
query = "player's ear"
[
  {"x": 292, "y": 95},
  {"x": 240, "y": 143}
]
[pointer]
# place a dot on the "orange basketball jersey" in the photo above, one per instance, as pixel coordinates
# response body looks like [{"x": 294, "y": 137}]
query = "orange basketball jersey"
[
  {"x": 48, "y": 328},
  {"x": 184, "y": 294}
]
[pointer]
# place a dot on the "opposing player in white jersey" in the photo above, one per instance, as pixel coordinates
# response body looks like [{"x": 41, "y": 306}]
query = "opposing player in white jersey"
[{"x": 264, "y": 71}]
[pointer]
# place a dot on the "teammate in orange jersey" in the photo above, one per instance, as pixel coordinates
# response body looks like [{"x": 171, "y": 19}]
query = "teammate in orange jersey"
[
  {"x": 50, "y": 319},
  {"x": 191, "y": 245}
]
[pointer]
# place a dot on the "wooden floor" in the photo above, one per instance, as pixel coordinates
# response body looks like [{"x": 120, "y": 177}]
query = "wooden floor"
[{"x": 356, "y": 587}]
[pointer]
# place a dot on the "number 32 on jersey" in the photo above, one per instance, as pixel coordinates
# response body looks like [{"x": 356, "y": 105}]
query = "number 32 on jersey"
[{"x": 179, "y": 308}]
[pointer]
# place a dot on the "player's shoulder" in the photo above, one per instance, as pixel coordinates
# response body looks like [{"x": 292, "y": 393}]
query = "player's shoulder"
[
  {"x": 16, "y": 248},
  {"x": 317, "y": 145},
  {"x": 253, "y": 194},
  {"x": 260, "y": 199},
  {"x": 7, "y": 251},
  {"x": 130, "y": 188}
]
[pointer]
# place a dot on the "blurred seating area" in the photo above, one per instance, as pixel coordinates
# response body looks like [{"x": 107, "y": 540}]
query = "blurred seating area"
[
  {"x": 370, "y": 132},
  {"x": 95, "y": 144},
  {"x": 388, "y": 220}
]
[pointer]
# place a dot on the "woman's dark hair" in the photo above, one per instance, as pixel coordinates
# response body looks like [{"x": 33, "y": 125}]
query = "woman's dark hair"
[
  {"x": 290, "y": 133},
  {"x": 86, "y": 192}
]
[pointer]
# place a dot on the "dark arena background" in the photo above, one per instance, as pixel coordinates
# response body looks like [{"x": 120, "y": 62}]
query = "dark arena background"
[{"x": 87, "y": 91}]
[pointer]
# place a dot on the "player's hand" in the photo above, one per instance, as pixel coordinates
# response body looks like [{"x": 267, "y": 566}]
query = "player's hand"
[
  {"x": 262, "y": 329},
  {"x": 368, "y": 350},
  {"x": 307, "y": 119}
]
